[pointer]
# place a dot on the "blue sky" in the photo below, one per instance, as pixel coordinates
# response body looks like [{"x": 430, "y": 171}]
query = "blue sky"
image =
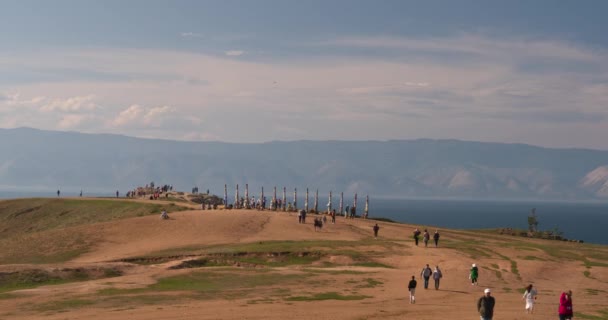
[{"x": 251, "y": 71}]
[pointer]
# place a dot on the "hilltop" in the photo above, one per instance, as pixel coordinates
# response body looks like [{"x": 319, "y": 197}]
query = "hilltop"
[{"x": 115, "y": 259}]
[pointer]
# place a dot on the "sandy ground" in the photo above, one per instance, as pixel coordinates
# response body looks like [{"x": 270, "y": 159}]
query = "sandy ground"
[{"x": 455, "y": 300}]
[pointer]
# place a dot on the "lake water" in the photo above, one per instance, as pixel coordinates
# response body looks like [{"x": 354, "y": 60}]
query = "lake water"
[{"x": 577, "y": 220}]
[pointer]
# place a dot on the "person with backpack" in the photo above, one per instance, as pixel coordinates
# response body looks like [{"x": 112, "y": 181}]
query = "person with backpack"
[
  {"x": 426, "y": 274},
  {"x": 416, "y": 236}
]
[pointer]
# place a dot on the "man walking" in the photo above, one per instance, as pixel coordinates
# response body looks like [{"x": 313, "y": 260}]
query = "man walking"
[
  {"x": 416, "y": 236},
  {"x": 485, "y": 305},
  {"x": 426, "y": 274},
  {"x": 437, "y": 275},
  {"x": 376, "y": 228},
  {"x": 436, "y": 238},
  {"x": 411, "y": 287}
]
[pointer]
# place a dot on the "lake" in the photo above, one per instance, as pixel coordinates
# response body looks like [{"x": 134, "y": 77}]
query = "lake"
[{"x": 577, "y": 220}]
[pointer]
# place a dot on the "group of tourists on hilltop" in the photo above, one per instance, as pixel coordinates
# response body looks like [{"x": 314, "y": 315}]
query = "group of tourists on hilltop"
[{"x": 426, "y": 237}]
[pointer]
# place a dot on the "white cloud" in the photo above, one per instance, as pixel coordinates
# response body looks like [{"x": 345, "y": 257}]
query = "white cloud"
[
  {"x": 424, "y": 88},
  {"x": 129, "y": 115},
  {"x": 73, "y": 104},
  {"x": 234, "y": 53},
  {"x": 15, "y": 100},
  {"x": 191, "y": 35},
  {"x": 155, "y": 115}
]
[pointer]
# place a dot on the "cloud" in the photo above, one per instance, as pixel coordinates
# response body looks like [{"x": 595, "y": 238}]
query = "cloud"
[
  {"x": 156, "y": 115},
  {"x": 234, "y": 53},
  {"x": 73, "y": 104},
  {"x": 457, "y": 87},
  {"x": 128, "y": 116},
  {"x": 14, "y": 100},
  {"x": 74, "y": 121},
  {"x": 190, "y": 35}
]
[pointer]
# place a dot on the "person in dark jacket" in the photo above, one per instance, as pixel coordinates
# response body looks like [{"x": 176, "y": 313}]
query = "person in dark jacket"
[
  {"x": 565, "y": 306},
  {"x": 436, "y": 238},
  {"x": 485, "y": 305},
  {"x": 411, "y": 287},
  {"x": 416, "y": 236},
  {"x": 376, "y": 228}
]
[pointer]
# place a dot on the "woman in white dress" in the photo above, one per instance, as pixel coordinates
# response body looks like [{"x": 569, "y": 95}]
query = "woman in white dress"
[{"x": 530, "y": 297}]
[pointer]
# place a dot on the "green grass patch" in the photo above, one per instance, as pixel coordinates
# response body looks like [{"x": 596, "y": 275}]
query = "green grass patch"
[
  {"x": 497, "y": 273},
  {"x": 594, "y": 292},
  {"x": 602, "y": 315},
  {"x": 472, "y": 248},
  {"x": 494, "y": 266},
  {"x": 370, "y": 283},
  {"x": 327, "y": 296},
  {"x": 533, "y": 258},
  {"x": 372, "y": 265},
  {"x": 590, "y": 264},
  {"x": 28, "y": 279},
  {"x": 514, "y": 269},
  {"x": 336, "y": 272},
  {"x": 7, "y": 296},
  {"x": 587, "y": 274},
  {"x": 63, "y": 305},
  {"x": 280, "y": 253},
  {"x": 23, "y": 216},
  {"x": 209, "y": 282}
]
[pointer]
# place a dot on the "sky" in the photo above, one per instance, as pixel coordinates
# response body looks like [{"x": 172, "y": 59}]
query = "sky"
[{"x": 532, "y": 72}]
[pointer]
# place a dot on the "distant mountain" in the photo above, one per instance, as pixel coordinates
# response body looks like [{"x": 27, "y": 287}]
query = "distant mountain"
[{"x": 45, "y": 160}]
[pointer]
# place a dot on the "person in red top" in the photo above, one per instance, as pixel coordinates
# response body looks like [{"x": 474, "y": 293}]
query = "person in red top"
[{"x": 565, "y": 306}]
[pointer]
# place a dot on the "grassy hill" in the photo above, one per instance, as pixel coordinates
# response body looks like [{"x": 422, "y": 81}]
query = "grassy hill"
[
  {"x": 47, "y": 230},
  {"x": 91, "y": 258}
]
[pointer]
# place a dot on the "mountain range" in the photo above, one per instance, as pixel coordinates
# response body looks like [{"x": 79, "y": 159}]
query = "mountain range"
[{"x": 33, "y": 159}]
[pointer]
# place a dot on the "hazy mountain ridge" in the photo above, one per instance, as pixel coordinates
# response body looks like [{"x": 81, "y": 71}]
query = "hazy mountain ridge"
[{"x": 406, "y": 168}]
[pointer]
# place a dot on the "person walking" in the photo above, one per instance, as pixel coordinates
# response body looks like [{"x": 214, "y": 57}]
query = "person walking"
[
  {"x": 411, "y": 287},
  {"x": 416, "y": 236},
  {"x": 485, "y": 305},
  {"x": 436, "y": 238},
  {"x": 437, "y": 275},
  {"x": 376, "y": 228},
  {"x": 565, "y": 306},
  {"x": 426, "y": 274},
  {"x": 530, "y": 296},
  {"x": 474, "y": 274},
  {"x": 426, "y": 237}
]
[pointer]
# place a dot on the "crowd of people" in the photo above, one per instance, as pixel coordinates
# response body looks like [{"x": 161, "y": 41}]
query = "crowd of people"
[{"x": 485, "y": 304}]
